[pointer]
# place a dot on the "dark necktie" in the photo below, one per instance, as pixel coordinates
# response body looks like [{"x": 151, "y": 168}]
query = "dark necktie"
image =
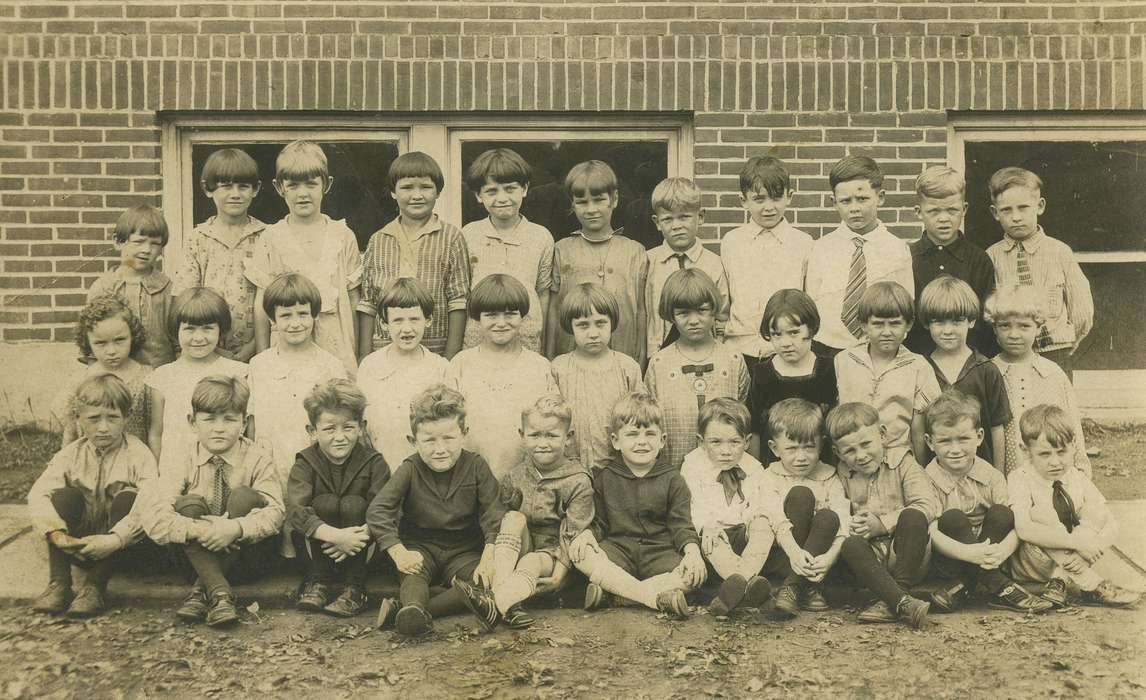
[
  {"x": 680, "y": 257},
  {"x": 1064, "y": 506},
  {"x": 221, "y": 490},
  {"x": 731, "y": 480}
]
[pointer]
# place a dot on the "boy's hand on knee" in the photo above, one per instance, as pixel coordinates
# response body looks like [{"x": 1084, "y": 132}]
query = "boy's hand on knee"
[
  {"x": 1074, "y": 564},
  {"x": 346, "y": 542},
  {"x": 406, "y": 561},
  {"x": 60, "y": 539},
  {"x": 866, "y": 524},
  {"x": 583, "y": 546},
  {"x": 692, "y": 568},
  {"x": 99, "y": 546},
  {"x": 221, "y": 534},
  {"x": 708, "y": 542},
  {"x": 553, "y": 582},
  {"x": 1086, "y": 545},
  {"x": 802, "y": 563}
]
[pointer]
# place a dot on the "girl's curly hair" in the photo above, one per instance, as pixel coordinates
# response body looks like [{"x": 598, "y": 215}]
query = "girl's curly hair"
[{"x": 100, "y": 309}]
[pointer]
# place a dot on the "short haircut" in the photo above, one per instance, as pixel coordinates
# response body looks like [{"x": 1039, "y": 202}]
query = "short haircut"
[
  {"x": 1015, "y": 300},
  {"x": 229, "y": 165},
  {"x": 765, "y": 174},
  {"x": 291, "y": 289},
  {"x": 886, "y": 299},
  {"x": 727, "y": 411},
  {"x": 103, "y": 391},
  {"x": 550, "y": 406},
  {"x": 405, "y": 293},
  {"x": 636, "y": 408},
  {"x": 951, "y": 408},
  {"x": 1004, "y": 179},
  {"x": 102, "y": 308},
  {"x": 798, "y": 419},
  {"x": 500, "y": 165},
  {"x": 497, "y": 292},
  {"x": 300, "y": 161},
  {"x": 689, "y": 289},
  {"x": 335, "y": 396},
  {"x": 940, "y": 182},
  {"x": 220, "y": 393},
  {"x": 589, "y": 178},
  {"x": 948, "y": 298},
  {"x": 676, "y": 194},
  {"x": 415, "y": 164},
  {"x": 793, "y": 306},
  {"x": 199, "y": 306},
  {"x": 586, "y": 299},
  {"x": 1049, "y": 420},
  {"x": 437, "y": 402},
  {"x": 145, "y": 220},
  {"x": 855, "y": 167},
  {"x": 847, "y": 418}
]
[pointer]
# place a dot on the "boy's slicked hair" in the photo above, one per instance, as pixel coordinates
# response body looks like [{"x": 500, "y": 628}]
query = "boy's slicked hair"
[
  {"x": 300, "y": 161},
  {"x": 437, "y": 402},
  {"x": 1004, "y": 179},
  {"x": 497, "y": 292},
  {"x": 727, "y": 411},
  {"x": 689, "y": 289},
  {"x": 676, "y": 194},
  {"x": 765, "y": 174},
  {"x": 550, "y": 406},
  {"x": 589, "y": 178},
  {"x": 229, "y": 165},
  {"x": 636, "y": 408},
  {"x": 143, "y": 219},
  {"x": 501, "y": 165},
  {"x": 847, "y": 418},
  {"x": 586, "y": 299},
  {"x": 102, "y": 308},
  {"x": 795, "y": 307},
  {"x": 950, "y": 408},
  {"x": 415, "y": 164},
  {"x": 886, "y": 299},
  {"x": 798, "y": 419},
  {"x": 948, "y": 298},
  {"x": 405, "y": 293},
  {"x": 856, "y": 167},
  {"x": 335, "y": 396},
  {"x": 199, "y": 306},
  {"x": 291, "y": 289},
  {"x": 220, "y": 393},
  {"x": 1015, "y": 300},
  {"x": 1049, "y": 420},
  {"x": 940, "y": 182},
  {"x": 103, "y": 391}
]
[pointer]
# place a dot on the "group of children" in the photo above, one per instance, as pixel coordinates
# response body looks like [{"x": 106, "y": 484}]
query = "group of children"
[{"x": 755, "y": 414}]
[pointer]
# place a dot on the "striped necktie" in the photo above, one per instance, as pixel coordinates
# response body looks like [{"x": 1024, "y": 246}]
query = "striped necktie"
[
  {"x": 222, "y": 490},
  {"x": 1023, "y": 267},
  {"x": 857, "y": 282}
]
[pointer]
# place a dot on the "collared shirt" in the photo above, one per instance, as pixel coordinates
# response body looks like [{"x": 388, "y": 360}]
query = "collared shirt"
[
  {"x": 822, "y": 481},
  {"x": 80, "y": 465},
  {"x": 1056, "y": 274},
  {"x": 557, "y": 504},
  {"x": 137, "y": 377},
  {"x": 443, "y": 266},
  {"x": 1028, "y": 385},
  {"x": 972, "y": 493},
  {"x": 149, "y": 298},
  {"x": 193, "y": 474},
  {"x": 905, "y": 387},
  {"x": 1032, "y": 498},
  {"x": 390, "y": 385},
  {"x": 711, "y": 510},
  {"x": 210, "y": 260},
  {"x": 662, "y": 263},
  {"x": 893, "y": 487},
  {"x": 760, "y": 263},
  {"x": 887, "y": 256},
  {"x": 981, "y": 378},
  {"x": 963, "y": 260}
]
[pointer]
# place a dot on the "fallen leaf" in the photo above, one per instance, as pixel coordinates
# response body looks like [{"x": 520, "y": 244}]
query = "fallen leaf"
[{"x": 755, "y": 685}]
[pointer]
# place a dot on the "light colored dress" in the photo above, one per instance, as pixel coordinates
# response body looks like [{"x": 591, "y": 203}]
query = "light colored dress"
[
  {"x": 592, "y": 391},
  {"x": 389, "y": 388},
  {"x": 176, "y": 382}
]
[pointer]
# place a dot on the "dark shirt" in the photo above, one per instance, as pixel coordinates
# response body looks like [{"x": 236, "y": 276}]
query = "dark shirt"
[
  {"x": 963, "y": 260},
  {"x": 770, "y": 388},
  {"x": 652, "y": 509},
  {"x": 364, "y": 473},
  {"x": 981, "y": 378}
]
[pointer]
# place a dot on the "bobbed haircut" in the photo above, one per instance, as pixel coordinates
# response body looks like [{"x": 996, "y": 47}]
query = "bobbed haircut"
[
  {"x": 220, "y": 393},
  {"x": 1004, "y": 179},
  {"x": 886, "y": 299},
  {"x": 145, "y": 220},
  {"x": 500, "y": 165},
  {"x": 939, "y": 182},
  {"x": 589, "y": 178},
  {"x": 300, "y": 161},
  {"x": 951, "y": 408},
  {"x": 793, "y": 306},
  {"x": 765, "y": 174},
  {"x": 847, "y": 418},
  {"x": 856, "y": 167},
  {"x": 199, "y": 306},
  {"x": 551, "y": 406},
  {"x": 334, "y": 396},
  {"x": 799, "y": 420},
  {"x": 437, "y": 402},
  {"x": 291, "y": 289},
  {"x": 1049, "y": 420},
  {"x": 689, "y": 289},
  {"x": 405, "y": 293},
  {"x": 415, "y": 164},
  {"x": 676, "y": 194},
  {"x": 636, "y": 408},
  {"x": 102, "y": 308},
  {"x": 103, "y": 391},
  {"x": 229, "y": 165},
  {"x": 948, "y": 298},
  {"x": 727, "y": 411},
  {"x": 1015, "y": 301},
  {"x": 586, "y": 299},
  {"x": 497, "y": 292}
]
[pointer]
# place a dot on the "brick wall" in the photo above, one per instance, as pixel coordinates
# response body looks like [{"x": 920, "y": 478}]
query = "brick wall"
[{"x": 81, "y": 82}]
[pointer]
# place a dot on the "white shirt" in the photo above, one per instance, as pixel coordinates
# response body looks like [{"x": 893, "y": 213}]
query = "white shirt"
[
  {"x": 662, "y": 263},
  {"x": 389, "y": 388},
  {"x": 711, "y": 511},
  {"x": 1032, "y": 495}
]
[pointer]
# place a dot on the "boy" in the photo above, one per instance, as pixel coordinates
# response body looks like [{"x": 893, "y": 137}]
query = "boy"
[
  {"x": 677, "y": 215},
  {"x": 330, "y": 486},
  {"x": 642, "y": 545},
  {"x": 140, "y": 235},
  {"x": 1062, "y": 520},
  {"x": 724, "y": 480},
  {"x": 860, "y": 252},
  {"x": 420, "y": 245},
  {"x": 82, "y": 502},
  {"x": 943, "y": 250},
  {"x": 222, "y": 495},
  {"x": 975, "y": 532},
  {"x": 1029, "y": 257},
  {"x": 883, "y": 373},
  {"x": 438, "y": 516},
  {"x": 217, "y": 251},
  {"x": 761, "y": 257},
  {"x": 804, "y": 501},
  {"x": 887, "y": 548}
]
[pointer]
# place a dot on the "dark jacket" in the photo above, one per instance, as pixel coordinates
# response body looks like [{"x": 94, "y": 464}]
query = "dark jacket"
[
  {"x": 655, "y": 508},
  {"x": 364, "y": 473}
]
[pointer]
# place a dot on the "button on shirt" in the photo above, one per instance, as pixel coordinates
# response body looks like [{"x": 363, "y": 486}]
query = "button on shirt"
[
  {"x": 822, "y": 481},
  {"x": 663, "y": 261},
  {"x": 711, "y": 510},
  {"x": 1031, "y": 497},
  {"x": 1032, "y": 383},
  {"x": 972, "y": 493},
  {"x": 963, "y": 260},
  {"x": 905, "y": 387},
  {"x": 894, "y": 486}
]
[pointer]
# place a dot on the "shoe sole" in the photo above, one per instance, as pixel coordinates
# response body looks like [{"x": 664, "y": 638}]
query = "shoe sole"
[
  {"x": 223, "y": 622},
  {"x": 186, "y": 617},
  {"x": 1012, "y": 608},
  {"x": 919, "y": 618},
  {"x": 941, "y": 604},
  {"x": 413, "y": 623},
  {"x": 468, "y": 593},
  {"x": 732, "y": 591},
  {"x": 594, "y": 597},
  {"x": 385, "y": 619},
  {"x": 343, "y": 612},
  {"x": 758, "y": 593},
  {"x": 875, "y": 620},
  {"x": 781, "y": 613},
  {"x": 311, "y": 607}
]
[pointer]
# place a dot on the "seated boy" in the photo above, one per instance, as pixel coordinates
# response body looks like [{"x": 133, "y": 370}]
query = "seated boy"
[
  {"x": 724, "y": 480},
  {"x": 83, "y": 500},
  {"x": 1062, "y": 520},
  {"x": 222, "y": 495},
  {"x": 887, "y": 548},
  {"x": 438, "y": 516},
  {"x": 806, "y": 505},
  {"x": 642, "y": 545},
  {"x": 330, "y": 485},
  {"x": 975, "y": 533}
]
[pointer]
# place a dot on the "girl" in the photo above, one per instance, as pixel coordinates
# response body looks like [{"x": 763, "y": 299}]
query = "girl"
[
  {"x": 499, "y": 378},
  {"x": 695, "y": 368},
  {"x": 109, "y": 332},
  {"x": 593, "y": 377}
]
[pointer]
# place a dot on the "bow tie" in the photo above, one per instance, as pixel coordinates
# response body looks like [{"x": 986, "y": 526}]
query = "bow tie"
[
  {"x": 697, "y": 369},
  {"x": 731, "y": 479}
]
